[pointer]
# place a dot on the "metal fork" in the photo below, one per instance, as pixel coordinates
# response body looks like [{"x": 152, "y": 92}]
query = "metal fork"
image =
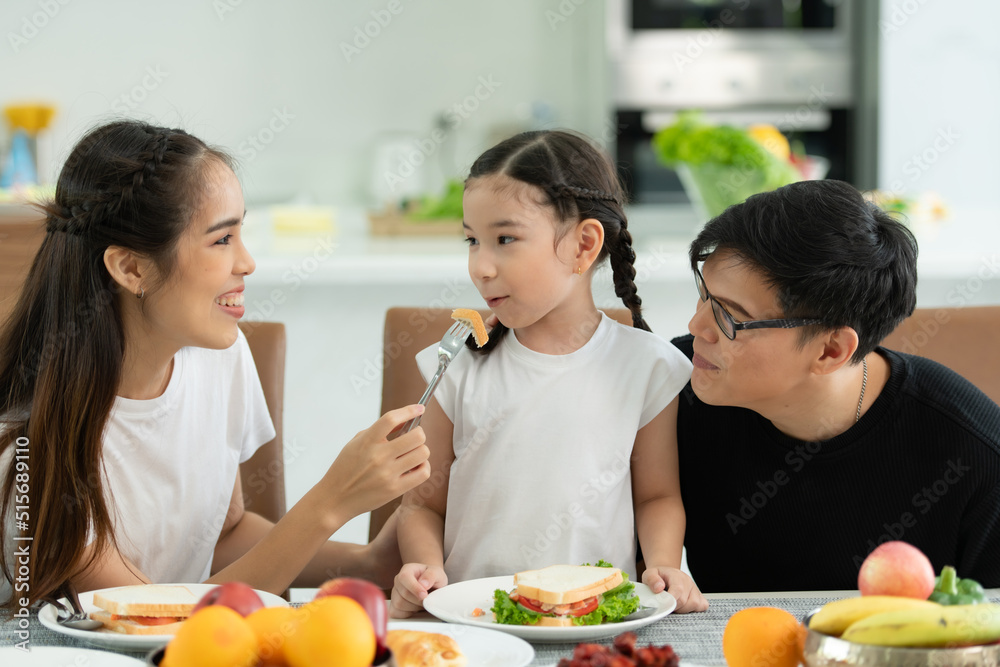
[
  {"x": 77, "y": 618},
  {"x": 451, "y": 344}
]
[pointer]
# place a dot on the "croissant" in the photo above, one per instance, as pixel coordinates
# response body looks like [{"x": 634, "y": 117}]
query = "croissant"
[{"x": 412, "y": 648}]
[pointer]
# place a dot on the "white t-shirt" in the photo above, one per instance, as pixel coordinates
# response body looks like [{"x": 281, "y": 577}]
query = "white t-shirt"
[
  {"x": 542, "y": 449},
  {"x": 171, "y": 461}
]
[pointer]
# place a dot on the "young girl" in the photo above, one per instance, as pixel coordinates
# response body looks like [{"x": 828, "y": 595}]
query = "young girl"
[
  {"x": 559, "y": 440},
  {"x": 128, "y": 384}
]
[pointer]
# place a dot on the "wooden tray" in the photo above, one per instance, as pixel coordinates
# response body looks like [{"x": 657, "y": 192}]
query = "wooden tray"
[{"x": 395, "y": 223}]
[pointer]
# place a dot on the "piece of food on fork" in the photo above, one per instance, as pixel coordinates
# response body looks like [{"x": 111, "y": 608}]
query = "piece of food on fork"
[{"x": 475, "y": 320}]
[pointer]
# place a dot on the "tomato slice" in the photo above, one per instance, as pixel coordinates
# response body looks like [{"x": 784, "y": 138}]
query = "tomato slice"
[
  {"x": 528, "y": 603},
  {"x": 581, "y": 608},
  {"x": 588, "y": 606}
]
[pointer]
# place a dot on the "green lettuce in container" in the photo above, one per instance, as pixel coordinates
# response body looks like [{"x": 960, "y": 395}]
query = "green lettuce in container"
[{"x": 719, "y": 165}]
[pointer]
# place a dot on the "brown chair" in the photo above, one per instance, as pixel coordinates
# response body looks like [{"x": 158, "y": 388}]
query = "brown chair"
[
  {"x": 263, "y": 475},
  {"x": 407, "y": 331},
  {"x": 21, "y": 235},
  {"x": 963, "y": 339}
]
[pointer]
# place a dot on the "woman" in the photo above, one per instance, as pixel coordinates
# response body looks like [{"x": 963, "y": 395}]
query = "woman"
[{"x": 129, "y": 397}]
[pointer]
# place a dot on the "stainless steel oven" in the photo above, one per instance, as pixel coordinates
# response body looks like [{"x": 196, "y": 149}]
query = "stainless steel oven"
[{"x": 791, "y": 63}]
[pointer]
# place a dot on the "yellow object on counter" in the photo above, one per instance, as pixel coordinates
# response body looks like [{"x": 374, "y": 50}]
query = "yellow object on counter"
[
  {"x": 302, "y": 219},
  {"x": 32, "y": 118}
]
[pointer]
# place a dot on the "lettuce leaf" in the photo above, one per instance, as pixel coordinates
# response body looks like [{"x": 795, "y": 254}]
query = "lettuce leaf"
[{"x": 509, "y": 612}]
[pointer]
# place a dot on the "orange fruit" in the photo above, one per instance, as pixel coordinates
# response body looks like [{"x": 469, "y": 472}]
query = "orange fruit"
[
  {"x": 272, "y": 626},
  {"x": 332, "y": 631},
  {"x": 214, "y": 636},
  {"x": 763, "y": 637}
]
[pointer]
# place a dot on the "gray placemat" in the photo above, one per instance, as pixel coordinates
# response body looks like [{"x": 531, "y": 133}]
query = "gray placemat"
[{"x": 696, "y": 638}]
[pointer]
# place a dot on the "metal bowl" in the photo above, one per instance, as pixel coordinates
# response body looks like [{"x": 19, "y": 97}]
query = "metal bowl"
[
  {"x": 827, "y": 651},
  {"x": 154, "y": 657}
]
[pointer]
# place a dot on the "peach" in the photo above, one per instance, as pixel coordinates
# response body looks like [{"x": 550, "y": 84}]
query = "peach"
[
  {"x": 233, "y": 594},
  {"x": 896, "y": 568}
]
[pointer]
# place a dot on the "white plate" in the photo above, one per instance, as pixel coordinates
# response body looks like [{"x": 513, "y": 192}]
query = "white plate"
[
  {"x": 47, "y": 617},
  {"x": 454, "y": 603},
  {"x": 63, "y": 656},
  {"x": 482, "y": 647}
]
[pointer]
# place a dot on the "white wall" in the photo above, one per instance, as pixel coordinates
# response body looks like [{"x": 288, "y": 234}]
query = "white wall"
[
  {"x": 939, "y": 95},
  {"x": 223, "y": 68}
]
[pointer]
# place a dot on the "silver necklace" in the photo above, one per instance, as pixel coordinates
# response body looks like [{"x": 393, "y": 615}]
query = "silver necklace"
[{"x": 864, "y": 384}]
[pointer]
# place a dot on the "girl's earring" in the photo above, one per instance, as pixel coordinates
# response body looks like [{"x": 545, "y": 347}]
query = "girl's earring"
[
  {"x": 142, "y": 293},
  {"x": 579, "y": 270}
]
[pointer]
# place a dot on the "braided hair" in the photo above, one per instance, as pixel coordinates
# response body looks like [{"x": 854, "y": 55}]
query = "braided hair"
[
  {"x": 579, "y": 182},
  {"x": 126, "y": 184}
]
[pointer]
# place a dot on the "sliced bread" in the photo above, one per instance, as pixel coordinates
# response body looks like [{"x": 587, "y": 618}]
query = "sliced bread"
[
  {"x": 565, "y": 584},
  {"x": 147, "y": 600}
]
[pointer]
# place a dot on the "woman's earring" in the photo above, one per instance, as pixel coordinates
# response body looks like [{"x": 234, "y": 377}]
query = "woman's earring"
[
  {"x": 579, "y": 270},
  {"x": 142, "y": 292}
]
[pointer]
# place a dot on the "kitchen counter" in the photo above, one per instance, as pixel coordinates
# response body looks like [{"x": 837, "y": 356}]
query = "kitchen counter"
[
  {"x": 957, "y": 250},
  {"x": 349, "y": 254}
]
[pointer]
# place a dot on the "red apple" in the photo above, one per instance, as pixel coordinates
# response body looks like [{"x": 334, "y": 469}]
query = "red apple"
[
  {"x": 896, "y": 568},
  {"x": 369, "y": 596},
  {"x": 233, "y": 594}
]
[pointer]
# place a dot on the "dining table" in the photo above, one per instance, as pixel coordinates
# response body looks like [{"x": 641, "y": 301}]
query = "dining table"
[{"x": 695, "y": 637}]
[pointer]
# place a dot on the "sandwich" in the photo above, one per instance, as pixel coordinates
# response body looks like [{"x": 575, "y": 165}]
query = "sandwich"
[
  {"x": 149, "y": 609},
  {"x": 566, "y": 595}
]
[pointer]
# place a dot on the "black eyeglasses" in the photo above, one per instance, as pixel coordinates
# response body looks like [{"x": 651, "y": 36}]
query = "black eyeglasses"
[{"x": 730, "y": 326}]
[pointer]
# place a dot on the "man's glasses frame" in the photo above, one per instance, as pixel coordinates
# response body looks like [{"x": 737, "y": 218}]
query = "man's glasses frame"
[{"x": 730, "y": 326}]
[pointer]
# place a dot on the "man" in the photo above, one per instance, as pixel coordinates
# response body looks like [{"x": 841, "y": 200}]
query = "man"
[{"x": 803, "y": 445}]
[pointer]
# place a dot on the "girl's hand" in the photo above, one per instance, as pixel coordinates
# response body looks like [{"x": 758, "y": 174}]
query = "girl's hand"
[
  {"x": 412, "y": 585},
  {"x": 678, "y": 584},
  {"x": 372, "y": 470}
]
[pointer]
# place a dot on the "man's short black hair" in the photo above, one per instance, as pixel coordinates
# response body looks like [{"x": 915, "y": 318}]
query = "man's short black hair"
[{"x": 830, "y": 253}]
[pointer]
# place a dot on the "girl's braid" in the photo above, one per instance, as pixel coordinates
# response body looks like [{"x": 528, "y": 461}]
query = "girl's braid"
[
  {"x": 620, "y": 249},
  {"x": 77, "y": 219},
  {"x": 623, "y": 267}
]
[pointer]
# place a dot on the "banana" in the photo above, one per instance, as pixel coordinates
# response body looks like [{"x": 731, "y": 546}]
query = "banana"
[
  {"x": 958, "y": 625},
  {"x": 835, "y": 617}
]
